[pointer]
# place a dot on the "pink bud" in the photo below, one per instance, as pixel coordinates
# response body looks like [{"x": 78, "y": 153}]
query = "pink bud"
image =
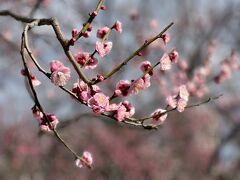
[
  {"x": 173, "y": 55},
  {"x": 118, "y": 26},
  {"x": 85, "y": 161},
  {"x": 165, "y": 38},
  {"x": 101, "y": 33},
  {"x": 74, "y": 33}
]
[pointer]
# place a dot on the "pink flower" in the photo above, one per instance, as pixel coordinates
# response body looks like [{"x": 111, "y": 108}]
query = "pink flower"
[
  {"x": 180, "y": 100},
  {"x": 173, "y": 55},
  {"x": 145, "y": 66},
  {"x": 85, "y": 60},
  {"x": 43, "y": 123},
  {"x": 82, "y": 90},
  {"x": 35, "y": 81},
  {"x": 124, "y": 110},
  {"x": 136, "y": 86},
  {"x": 122, "y": 88},
  {"x": 103, "y": 48},
  {"x": 101, "y": 33},
  {"x": 140, "y": 84},
  {"x": 74, "y": 33},
  {"x": 85, "y": 161},
  {"x": 158, "y": 116},
  {"x": 147, "y": 81},
  {"x": 99, "y": 103},
  {"x": 60, "y": 74},
  {"x": 37, "y": 114},
  {"x": 171, "y": 101},
  {"x": 118, "y": 26},
  {"x": 181, "y": 104},
  {"x": 165, "y": 62},
  {"x": 166, "y": 38},
  {"x": 183, "y": 92}
]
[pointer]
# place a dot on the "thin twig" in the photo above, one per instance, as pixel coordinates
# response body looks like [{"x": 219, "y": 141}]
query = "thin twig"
[{"x": 146, "y": 43}]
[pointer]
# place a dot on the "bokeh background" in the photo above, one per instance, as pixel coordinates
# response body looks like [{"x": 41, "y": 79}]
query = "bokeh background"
[{"x": 200, "y": 143}]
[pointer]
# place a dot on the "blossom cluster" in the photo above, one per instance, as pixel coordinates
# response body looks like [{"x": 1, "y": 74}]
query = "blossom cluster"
[{"x": 46, "y": 123}]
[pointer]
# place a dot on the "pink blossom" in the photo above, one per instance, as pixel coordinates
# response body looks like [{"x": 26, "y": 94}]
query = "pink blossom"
[
  {"x": 181, "y": 104},
  {"x": 165, "y": 62},
  {"x": 145, "y": 66},
  {"x": 118, "y": 26},
  {"x": 60, "y": 74},
  {"x": 146, "y": 79},
  {"x": 158, "y": 116},
  {"x": 103, "y": 7},
  {"x": 37, "y": 114},
  {"x": 137, "y": 86},
  {"x": 112, "y": 107},
  {"x": 85, "y": 161},
  {"x": 85, "y": 60},
  {"x": 179, "y": 100},
  {"x": 86, "y": 34},
  {"x": 122, "y": 87},
  {"x": 99, "y": 103},
  {"x": 103, "y": 48},
  {"x": 166, "y": 38},
  {"x": 74, "y": 33},
  {"x": 43, "y": 123},
  {"x": 35, "y": 81},
  {"x": 82, "y": 90},
  {"x": 140, "y": 84},
  {"x": 173, "y": 55},
  {"x": 183, "y": 92},
  {"x": 171, "y": 101},
  {"x": 124, "y": 110},
  {"x": 101, "y": 33},
  {"x": 93, "y": 14}
]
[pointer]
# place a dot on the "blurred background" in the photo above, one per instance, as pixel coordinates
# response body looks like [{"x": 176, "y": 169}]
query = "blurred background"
[{"x": 200, "y": 143}]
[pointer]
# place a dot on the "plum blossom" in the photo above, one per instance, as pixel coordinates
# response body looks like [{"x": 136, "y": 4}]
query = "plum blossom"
[
  {"x": 165, "y": 62},
  {"x": 59, "y": 73},
  {"x": 158, "y": 116},
  {"x": 43, "y": 123},
  {"x": 146, "y": 66},
  {"x": 122, "y": 110},
  {"x": 173, "y": 55},
  {"x": 103, "y": 48},
  {"x": 85, "y": 161},
  {"x": 118, "y": 26},
  {"x": 99, "y": 103},
  {"x": 166, "y": 38},
  {"x": 74, "y": 35},
  {"x": 101, "y": 33},
  {"x": 140, "y": 84},
  {"x": 82, "y": 90},
  {"x": 86, "y": 60},
  {"x": 37, "y": 114},
  {"x": 122, "y": 88},
  {"x": 35, "y": 81},
  {"x": 180, "y": 100}
]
